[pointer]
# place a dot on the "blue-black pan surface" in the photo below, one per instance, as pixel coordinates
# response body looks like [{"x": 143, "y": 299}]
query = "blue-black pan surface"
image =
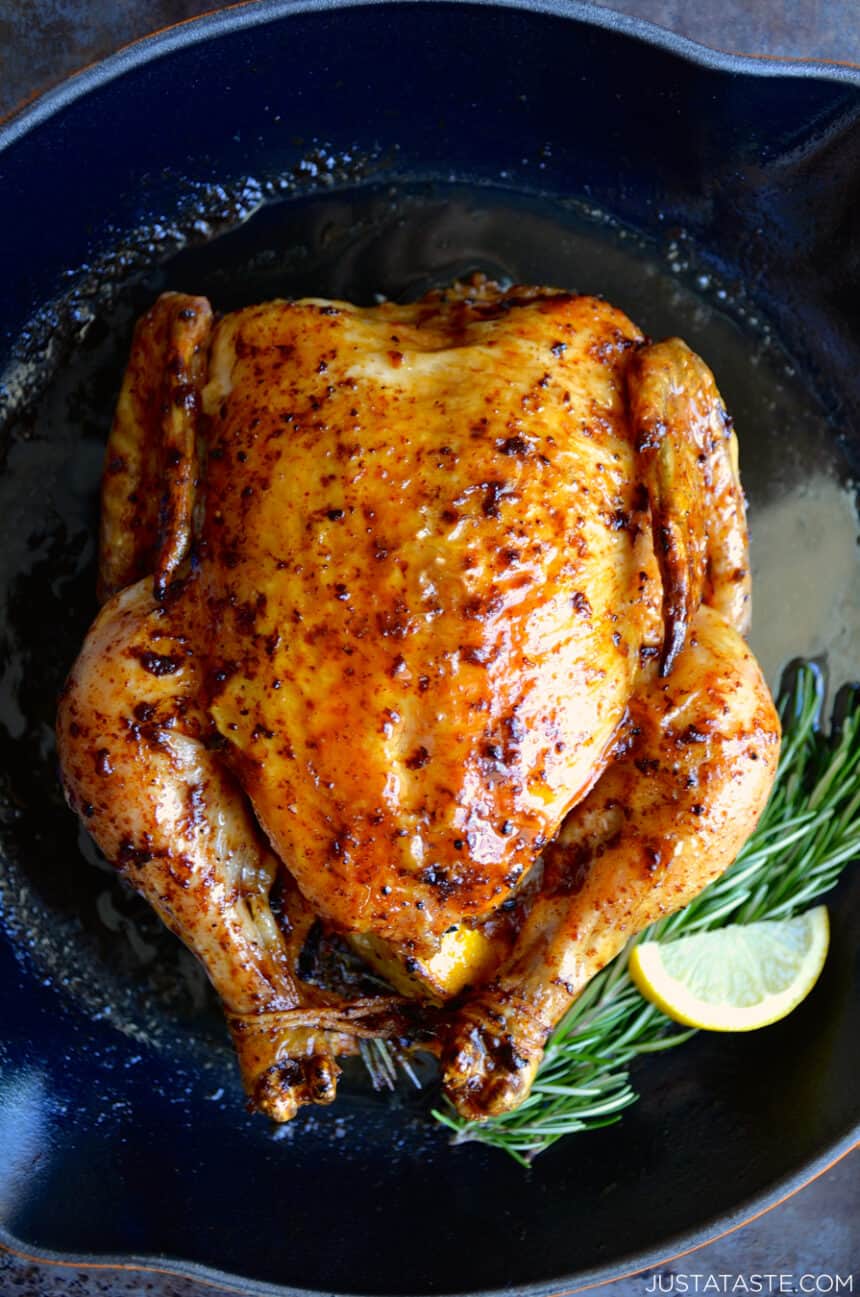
[{"x": 391, "y": 147}]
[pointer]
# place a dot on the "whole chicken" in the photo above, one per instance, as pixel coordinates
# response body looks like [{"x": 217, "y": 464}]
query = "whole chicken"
[{"x": 423, "y": 627}]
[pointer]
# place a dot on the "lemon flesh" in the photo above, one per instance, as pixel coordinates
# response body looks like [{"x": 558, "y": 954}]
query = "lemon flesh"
[
  {"x": 736, "y": 978},
  {"x": 465, "y": 957}
]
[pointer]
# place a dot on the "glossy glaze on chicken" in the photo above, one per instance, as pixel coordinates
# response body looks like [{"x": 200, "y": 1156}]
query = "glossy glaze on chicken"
[{"x": 426, "y": 623}]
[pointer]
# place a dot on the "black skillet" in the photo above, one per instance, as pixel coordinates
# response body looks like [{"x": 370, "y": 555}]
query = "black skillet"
[{"x": 394, "y": 146}]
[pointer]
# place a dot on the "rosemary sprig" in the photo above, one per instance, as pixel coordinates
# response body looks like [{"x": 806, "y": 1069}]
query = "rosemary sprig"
[{"x": 809, "y": 831}]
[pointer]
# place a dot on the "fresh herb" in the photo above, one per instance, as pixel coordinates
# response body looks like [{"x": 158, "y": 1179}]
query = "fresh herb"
[
  {"x": 809, "y": 831},
  {"x": 384, "y": 1062}
]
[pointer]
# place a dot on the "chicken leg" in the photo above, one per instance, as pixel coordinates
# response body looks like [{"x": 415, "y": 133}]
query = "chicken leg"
[
  {"x": 164, "y": 808},
  {"x": 666, "y": 818}
]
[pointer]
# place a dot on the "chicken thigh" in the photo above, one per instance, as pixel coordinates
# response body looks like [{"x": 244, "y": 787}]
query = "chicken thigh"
[{"x": 424, "y": 624}]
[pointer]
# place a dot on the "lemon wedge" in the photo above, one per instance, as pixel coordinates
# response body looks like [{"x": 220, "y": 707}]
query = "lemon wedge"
[{"x": 736, "y": 978}]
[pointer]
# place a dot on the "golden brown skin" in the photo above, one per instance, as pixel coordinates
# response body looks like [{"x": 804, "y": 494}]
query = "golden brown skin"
[
  {"x": 406, "y": 554},
  {"x": 667, "y": 817},
  {"x": 458, "y": 569}
]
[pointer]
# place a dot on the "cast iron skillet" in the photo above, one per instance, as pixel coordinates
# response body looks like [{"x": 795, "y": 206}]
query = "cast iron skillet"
[{"x": 715, "y": 196}]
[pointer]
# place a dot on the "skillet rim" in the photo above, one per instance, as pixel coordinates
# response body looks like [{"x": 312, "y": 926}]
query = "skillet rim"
[
  {"x": 244, "y": 14},
  {"x": 247, "y": 14},
  {"x": 683, "y": 1244}
]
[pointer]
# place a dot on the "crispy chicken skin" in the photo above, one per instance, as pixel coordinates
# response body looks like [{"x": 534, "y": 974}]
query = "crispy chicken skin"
[{"x": 428, "y": 618}]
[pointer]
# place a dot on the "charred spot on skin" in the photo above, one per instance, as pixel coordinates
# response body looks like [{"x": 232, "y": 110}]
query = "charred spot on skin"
[
  {"x": 621, "y": 644},
  {"x": 621, "y": 520},
  {"x": 513, "y": 446},
  {"x": 103, "y": 763},
  {"x": 482, "y": 607},
  {"x": 181, "y": 871},
  {"x": 651, "y": 436},
  {"x": 580, "y": 604},
  {"x": 221, "y": 675},
  {"x": 625, "y": 742},
  {"x": 158, "y": 664},
  {"x": 246, "y": 616},
  {"x": 440, "y": 880},
  {"x": 394, "y": 623},
  {"x": 493, "y": 494},
  {"x": 196, "y": 805},
  {"x": 322, "y": 1075},
  {"x": 666, "y": 538},
  {"x": 418, "y": 760},
  {"x": 286, "y": 1075},
  {"x": 566, "y": 869},
  {"x": 653, "y": 857},
  {"x": 508, "y": 1057},
  {"x": 130, "y": 856}
]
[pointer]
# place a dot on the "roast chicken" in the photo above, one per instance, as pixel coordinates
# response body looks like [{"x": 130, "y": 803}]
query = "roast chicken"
[{"x": 422, "y": 628}]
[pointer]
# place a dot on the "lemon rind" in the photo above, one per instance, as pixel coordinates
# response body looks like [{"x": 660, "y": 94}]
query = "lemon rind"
[{"x": 672, "y": 997}]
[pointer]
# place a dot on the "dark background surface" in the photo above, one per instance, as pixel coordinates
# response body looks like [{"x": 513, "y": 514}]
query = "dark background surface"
[{"x": 814, "y": 1234}]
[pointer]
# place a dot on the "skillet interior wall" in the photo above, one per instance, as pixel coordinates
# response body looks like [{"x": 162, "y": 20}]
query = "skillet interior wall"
[{"x": 728, "y": 158}]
